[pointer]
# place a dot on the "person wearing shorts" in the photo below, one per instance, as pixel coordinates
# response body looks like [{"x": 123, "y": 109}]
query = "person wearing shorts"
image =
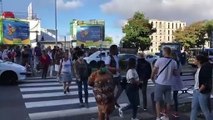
[{"x": 165, "y": 68}]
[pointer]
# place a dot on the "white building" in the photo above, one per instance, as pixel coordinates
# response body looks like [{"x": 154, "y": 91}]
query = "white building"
[{"x": 164, "y": 33}]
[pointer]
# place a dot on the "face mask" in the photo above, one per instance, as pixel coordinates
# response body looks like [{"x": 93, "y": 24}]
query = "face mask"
[{"x": 103, "y": 70}]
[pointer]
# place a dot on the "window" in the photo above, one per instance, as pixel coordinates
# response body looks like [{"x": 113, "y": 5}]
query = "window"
[
  {"x": 172, "y": 26},
  {"x": 160, "y": 25},
  {"x": 168, "y": 26},
  {"x": 160, "y": 32},
  {"x": 151, "y": 37},
  {"x": 168, "y": 32},
  {"x": 176, "y": 25},
  {"x": 180, "y": 26},
  {"x": 168, "y": 38}
]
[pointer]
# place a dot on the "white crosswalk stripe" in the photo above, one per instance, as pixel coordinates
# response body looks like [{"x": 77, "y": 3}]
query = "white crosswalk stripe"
[{"x": 44, "y": 99}]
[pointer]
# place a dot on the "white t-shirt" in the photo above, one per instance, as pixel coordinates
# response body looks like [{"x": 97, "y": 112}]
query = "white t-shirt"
[
  {"x": 66, "y": 66},
  {"x": 107, "y": 62},
  {"x": 50, "y": 54},
  {"x": 196, "y": 86},
  {"x": 132, "y": 74},
  {"x": 165, "y": 78},
  {"x": 5, "y": 54}
]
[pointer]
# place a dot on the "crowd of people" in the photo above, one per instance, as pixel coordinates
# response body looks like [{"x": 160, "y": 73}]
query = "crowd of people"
[{"x": 108, "y": 83}]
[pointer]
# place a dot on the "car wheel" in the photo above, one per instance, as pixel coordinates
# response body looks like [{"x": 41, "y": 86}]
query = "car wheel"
[
  {"x": 93, "y": 64},
  {"x": 9, "y": 78}
]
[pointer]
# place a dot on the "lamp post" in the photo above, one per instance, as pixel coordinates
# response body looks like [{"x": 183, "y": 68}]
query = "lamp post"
[{"x": 56, "y": 25}]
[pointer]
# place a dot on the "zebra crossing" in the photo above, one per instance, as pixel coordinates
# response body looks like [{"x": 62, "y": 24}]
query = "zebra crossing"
[{"x": 44, "y": 99}]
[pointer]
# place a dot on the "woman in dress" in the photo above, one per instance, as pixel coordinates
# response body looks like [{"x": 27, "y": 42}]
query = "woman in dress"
[
  {"x": 132, "y": 89},
  {"x": 65, "y": 72},
  {"x": 103, "y": 88},
  {"x": 202, "y": 88}
]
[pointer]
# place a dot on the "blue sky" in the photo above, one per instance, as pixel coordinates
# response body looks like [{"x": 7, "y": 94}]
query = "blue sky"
[
  {"x": 87, "y": 9},
  {"x": 114, "y": 12}
]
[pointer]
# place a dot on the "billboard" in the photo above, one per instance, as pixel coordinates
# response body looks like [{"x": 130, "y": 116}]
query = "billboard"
[
  {"x": 89, "y": 33},
  {"x": 14, "y": 32}
]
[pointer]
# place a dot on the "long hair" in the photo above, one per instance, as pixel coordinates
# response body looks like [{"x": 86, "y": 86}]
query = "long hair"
[{"x": 131, "y": 63}]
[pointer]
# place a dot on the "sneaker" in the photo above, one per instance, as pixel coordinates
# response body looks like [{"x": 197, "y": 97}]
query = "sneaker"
[
  {"x": 121, "y": 114},
  {"x": 134, "y": 119},
  {"x": 86, "y": 105},
  {"x": 164, "y": 118},
  {"x": 81, "y": 105}
]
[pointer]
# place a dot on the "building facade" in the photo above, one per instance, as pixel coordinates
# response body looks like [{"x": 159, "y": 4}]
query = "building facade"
[{"x": 165, "y": 32}]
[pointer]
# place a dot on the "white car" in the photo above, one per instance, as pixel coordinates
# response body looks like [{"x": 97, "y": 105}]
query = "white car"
[
  {"x": 11, "y": 72},
  {"x": 150, "y": 58},
  {"x": 97, "y": 56}
]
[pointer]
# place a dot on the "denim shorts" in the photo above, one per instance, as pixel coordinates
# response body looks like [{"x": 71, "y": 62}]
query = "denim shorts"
[{"x": 163, "y": 93}]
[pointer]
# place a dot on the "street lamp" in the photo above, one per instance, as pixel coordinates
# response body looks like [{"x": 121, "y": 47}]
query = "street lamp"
[{"x": 56, "y": 30}]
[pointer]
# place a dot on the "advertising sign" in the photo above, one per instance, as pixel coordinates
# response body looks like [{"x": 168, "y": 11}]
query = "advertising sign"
[
  {"x": 89, "y": 33},
  {"x": 15, "y": 32}
]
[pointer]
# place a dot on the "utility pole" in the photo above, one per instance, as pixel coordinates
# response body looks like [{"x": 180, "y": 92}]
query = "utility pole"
[
  {"x": 65, "y": 42},
  {"x": 56, "y": 25}
]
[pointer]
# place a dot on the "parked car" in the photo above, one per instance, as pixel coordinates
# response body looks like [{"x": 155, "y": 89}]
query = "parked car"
[
  {"x": 96, "y": 56},
  {"x": 11, "y": 72},
  {"x": 150, "y": 58}
]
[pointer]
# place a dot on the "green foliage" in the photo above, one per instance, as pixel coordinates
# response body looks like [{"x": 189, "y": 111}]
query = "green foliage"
[
  {"x": 194, "y": 35},
  {"x": 137, "y": 32},
  {"x": 108, "y": 39}
]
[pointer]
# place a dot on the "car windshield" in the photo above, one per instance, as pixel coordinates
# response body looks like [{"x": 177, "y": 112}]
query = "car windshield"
[{"x": 126, "y": 56}]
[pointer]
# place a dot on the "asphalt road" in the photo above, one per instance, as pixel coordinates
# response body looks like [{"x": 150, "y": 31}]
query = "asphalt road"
[{"x": 44, "y": 99}]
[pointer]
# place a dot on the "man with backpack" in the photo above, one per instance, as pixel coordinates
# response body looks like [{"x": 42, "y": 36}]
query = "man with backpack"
[{"x": 112, "y": 62}]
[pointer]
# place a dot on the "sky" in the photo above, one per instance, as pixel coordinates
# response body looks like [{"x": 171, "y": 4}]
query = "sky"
[{"x": 114, "y": 12}]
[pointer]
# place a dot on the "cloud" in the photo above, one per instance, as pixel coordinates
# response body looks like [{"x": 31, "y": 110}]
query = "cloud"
[
  {"x": 184, "y": 10},
  {"x": 69, "y": 4}
]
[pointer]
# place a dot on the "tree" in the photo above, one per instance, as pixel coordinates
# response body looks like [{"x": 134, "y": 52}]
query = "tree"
[
  {"x": 192, "y": 36},
  {"x": 109, "y": 40},
  {"x": 137, "y": 31},
  {"x": 209, "y": 30}
]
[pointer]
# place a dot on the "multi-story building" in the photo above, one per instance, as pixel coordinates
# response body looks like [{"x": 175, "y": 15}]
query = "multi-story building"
[{"x": 164, "y": 33}]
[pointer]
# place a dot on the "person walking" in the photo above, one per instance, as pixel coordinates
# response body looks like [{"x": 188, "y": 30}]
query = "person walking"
[
  {"x": 45, "y": 62},
  {"x": 81, "y": 73},
  {"x": 165, "y": 68},
  {"x": 18, "y": 55},
  {"x": 37, "y": 54},
  {"x": 132, "y": 89},
  {"x": 112, "y": 62},
  {"x": 144, "y": 71},
  {"x": 202, "y": 88},
  {"x": 57, "y": 58},
  {"x": 50, "y": 52},
  {"x": 25, "y": 56},
  {"x": 65, "y": 72},
  {"x": 103, "y": 89},
  {"x": 177, "y": 84}
]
